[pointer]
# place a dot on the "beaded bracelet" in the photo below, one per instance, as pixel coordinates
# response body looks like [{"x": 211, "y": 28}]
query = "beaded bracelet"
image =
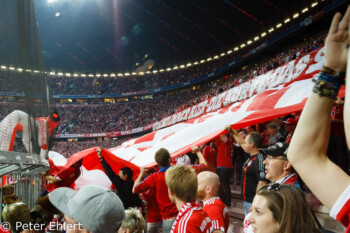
[{"x": 326, "y": 85}]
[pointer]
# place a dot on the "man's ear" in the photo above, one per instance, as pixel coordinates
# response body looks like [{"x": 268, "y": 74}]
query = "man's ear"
[{"x": 287, "y": 166}]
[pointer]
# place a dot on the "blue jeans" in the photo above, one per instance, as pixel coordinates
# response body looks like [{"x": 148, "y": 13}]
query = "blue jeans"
[
  {"x": 167, "y": 224},
  {"x": 247, "y": 205}
]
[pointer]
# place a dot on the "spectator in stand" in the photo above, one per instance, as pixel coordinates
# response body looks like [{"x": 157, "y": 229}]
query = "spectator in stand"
[
  {"x": 310, "y": 159},
  {"x": 290, "y": 125},
  {"x": 224, "y": 167},
  {"x": 253, "y": 171},
  {"x": 281, "y": 208},
  {"x": 209, "y": 154},
  {"x": 274, "y": 135},
  {"x": 156, "y": 181},
  {"x": 92, "y": 209},
  {"x": 154, "y": 219},
  {"x": 277, "y": 167},
  {"x": 133, "y": 222},
  {"x": 208, "y": 187},
  {"x": 182, "y": 188},
  {"x": 122, "y": 182},
  {"x": 278, "y": 170}
]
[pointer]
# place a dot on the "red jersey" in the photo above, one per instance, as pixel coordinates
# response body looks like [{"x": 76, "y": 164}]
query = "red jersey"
[
  {"x": 341, "y": 209},
  {"x": 199, "y": 167},
  {"x": 218, "y": 214},
  {"x": 157, "y": 181},
  {"x": 224, "y": 155},
  {"x": 192, "y": 218},
  {"x": 153, "y": 212},
  {"x": 209, "y": 153}
]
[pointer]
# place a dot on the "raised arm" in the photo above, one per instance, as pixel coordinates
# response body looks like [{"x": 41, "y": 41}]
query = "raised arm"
[
  {"x": 197, "y": 151},
  {"x": 238, "y": 138},
  {"x": 307, "y": 151}
]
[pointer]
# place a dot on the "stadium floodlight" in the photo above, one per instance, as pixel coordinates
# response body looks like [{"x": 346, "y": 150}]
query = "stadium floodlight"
[
  {"x": 305, "y": 10},
  {"x": 229, "y": 52},
  {"x": 120, "y": 75},
  {"x": 155, "y": 71},
  {"x": 127, "y": 74},
  {"x": 278, "y": 25},
  {"x": 287, "y": 20},
  {"x": 202, "y": 61},
  {"x": 263, "y": 34},
  {"x": 314, "y": 4},
  {"x": 83, "y": 75},
  {"x": 242, "y": 45},
  {"x": 52, "y": 73},
  {"x": 148, "y": 72},
  {"x": 222, "y": 54},
  {"x": 112, "y": 75},
  {"x": 182, "y": 66},
  {"x": 188, "y": 64},
  {"x": 195, "y": 63},
  {"x": 236, "y": 48},
  {"x": 67, "y": 74},
  {"x": 59, "y": 73},
  {"x": 216, "y": 57},
  {"x": 98, "y": 75},
  {"x": 256, "y": 38},
  {"x": 105, "y": 75},
  {"x": 134, "y": 73},
  {"x": 20, "y": 69},
  {"x": 168, "y": 69},
  {"x": 91, "y": 75},
  {"x": 175, "y": 67},
  {"x": 161, "y": 70},
  {"x": 296, "y": 15},
  {"x": 76, "y": 75},
  {"x": 12, "y": 68},
  {"x": 3, "y": 67},
  {"x": 28, "y": 70},
  {"x": 271, "y": 30},
  {"x": 249, "y": 42},
  {"x": 35, "y": 71},
  {"x": 209, "y": 59}
]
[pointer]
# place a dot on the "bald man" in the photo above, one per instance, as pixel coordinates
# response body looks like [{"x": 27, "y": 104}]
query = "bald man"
[{"x": 208, "y": 187}]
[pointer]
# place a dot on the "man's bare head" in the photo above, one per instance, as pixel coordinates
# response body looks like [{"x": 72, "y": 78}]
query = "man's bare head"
[{"x": 208, "y": 185}]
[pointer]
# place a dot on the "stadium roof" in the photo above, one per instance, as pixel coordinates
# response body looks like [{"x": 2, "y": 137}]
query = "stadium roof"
[{"x": 121, "y": 35}]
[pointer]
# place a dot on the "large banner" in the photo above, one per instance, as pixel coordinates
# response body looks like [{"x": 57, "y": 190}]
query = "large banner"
[
  {"x": 277, "y": 93},
  {"x": 298, "y": 69}
]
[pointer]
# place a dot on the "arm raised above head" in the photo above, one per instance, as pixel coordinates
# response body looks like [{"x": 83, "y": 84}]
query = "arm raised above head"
[{"x": 307, "y": 151}]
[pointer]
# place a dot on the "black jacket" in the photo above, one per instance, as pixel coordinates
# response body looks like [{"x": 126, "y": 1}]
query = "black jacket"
[{"x": 123, "y": 188}]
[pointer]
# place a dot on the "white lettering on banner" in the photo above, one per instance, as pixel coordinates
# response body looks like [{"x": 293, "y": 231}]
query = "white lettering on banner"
[
  {"x": 216, "y": 102},
  {"x": 228, "y": 96},
  {"x": 185, "y": 114},
  {"x": 288, "y": 73},
  {"x": 244, "y": 90},
  {"x": 301, "y": 66},
  {"x": 319, "y": 59}
]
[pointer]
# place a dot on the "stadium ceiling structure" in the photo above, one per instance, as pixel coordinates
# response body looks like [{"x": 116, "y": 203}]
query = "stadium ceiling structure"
[{"x": 123, "y": 35}]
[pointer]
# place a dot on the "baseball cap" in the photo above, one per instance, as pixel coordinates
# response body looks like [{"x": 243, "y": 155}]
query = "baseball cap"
[
  {"x": 290, "y": 121},
  {"x": 184, "y": 160},
  {"x": 279, "y": 149},
  {"x": 97, "y": 209}
]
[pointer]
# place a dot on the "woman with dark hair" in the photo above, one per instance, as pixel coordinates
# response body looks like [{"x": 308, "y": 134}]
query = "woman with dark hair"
[{"x": 281, "y": 208}]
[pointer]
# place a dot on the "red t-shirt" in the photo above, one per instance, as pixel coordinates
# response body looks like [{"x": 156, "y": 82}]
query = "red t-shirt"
[
  {"x": 224, "y": 155},
  {"x": 192, "y": 218},
  {"x": 153, "y": 212},
  {"x": 157, "y": 181},
  {"x": 218, "y": 214},
  {"x": 341, "y": 209},
  {"x": 209, "y": 153}
]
